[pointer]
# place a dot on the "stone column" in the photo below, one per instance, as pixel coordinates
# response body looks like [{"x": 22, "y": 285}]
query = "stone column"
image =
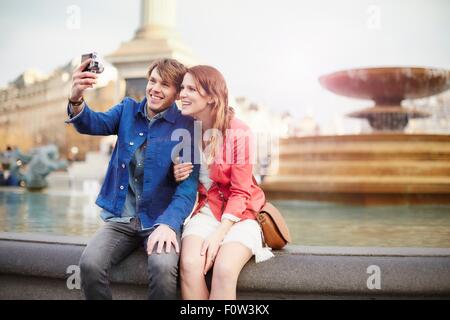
[
  {"x": 155, "y": 38},
  {"x": 157, "y": 16}
]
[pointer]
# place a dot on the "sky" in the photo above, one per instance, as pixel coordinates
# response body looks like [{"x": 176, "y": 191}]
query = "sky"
[{"x": 271, "y": 52}]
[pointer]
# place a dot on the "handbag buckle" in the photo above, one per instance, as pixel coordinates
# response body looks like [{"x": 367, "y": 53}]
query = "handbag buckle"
[{"x": 261, "y": 217}]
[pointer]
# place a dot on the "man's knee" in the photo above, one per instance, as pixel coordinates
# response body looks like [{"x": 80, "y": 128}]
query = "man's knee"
[
  {"x": 91, "y": 266},
  {"x": 163, "y": 263},
  {"x": 163, "y": 275}
]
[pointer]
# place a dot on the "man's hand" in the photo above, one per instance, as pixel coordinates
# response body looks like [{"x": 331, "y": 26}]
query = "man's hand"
[
  {"x": 163, "y": 234},
  {"x": 81, "y": 81}
]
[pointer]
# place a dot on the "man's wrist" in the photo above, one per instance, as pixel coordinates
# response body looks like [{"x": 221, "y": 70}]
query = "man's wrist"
[
  {"x": 164, "y": 224},
  {"x": 76, "y": 103}
]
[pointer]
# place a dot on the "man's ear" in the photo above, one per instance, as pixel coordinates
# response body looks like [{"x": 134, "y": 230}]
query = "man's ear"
[{"x": 177, "y": 96}]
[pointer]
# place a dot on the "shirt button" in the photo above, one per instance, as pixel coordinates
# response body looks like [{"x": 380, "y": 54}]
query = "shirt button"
[
  {"x": 123, "y": 165},
  {"x": 121, "y": 187},
  {"x": 141, "y": 134},
  {"x": 135, "y": 180},
  {"x": 131, "y": 143}
]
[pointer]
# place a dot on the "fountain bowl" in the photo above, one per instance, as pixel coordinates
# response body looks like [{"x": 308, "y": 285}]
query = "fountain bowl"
[{"x": 387, "y": 85}]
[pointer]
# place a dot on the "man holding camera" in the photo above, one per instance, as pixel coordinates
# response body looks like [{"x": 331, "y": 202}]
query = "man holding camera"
[{"x": 140, "y": 200}]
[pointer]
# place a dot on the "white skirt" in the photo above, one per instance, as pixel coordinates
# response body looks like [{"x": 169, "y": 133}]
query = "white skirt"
[{"x": 247, "y": 232}]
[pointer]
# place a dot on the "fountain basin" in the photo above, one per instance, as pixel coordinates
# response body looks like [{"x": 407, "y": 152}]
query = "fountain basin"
[
  {"x": 377, "y": 168},
  {"x": 387, "y": 87},
  {"x": 387, "y": 84}
]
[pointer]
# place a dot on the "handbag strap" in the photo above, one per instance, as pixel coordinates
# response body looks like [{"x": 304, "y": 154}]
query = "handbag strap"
[{"x": 265, "y": 200}]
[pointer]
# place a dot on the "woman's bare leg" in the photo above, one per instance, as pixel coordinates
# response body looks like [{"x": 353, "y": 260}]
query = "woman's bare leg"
[
  {"x": 193, "y": 284},
  {"x": 230, "y": 260}
]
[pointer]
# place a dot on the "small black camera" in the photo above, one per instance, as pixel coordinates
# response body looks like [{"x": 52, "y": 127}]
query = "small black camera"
[{"x": 94, "y": 66}]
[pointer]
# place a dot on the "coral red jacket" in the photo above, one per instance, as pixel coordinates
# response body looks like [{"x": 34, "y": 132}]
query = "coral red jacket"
[{"x": 233, "y": 190}]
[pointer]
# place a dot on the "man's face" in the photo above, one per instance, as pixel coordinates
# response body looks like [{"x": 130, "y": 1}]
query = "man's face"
[{"x": 160, "y": 94}]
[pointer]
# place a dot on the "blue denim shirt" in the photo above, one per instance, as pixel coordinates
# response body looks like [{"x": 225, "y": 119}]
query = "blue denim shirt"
[
  {"x": 164, "y": 201},
  {"x": 135, "y": 180}
]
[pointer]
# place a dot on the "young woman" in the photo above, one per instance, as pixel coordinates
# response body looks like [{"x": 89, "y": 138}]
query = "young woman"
[{"x": 222, "y": 232}]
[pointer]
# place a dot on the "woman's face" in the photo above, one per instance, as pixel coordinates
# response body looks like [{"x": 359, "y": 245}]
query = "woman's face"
[{"x": 194, "y": 100}]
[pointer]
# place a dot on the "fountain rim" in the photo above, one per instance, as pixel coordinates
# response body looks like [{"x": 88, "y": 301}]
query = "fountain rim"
[{"x": 383, "y": 69}]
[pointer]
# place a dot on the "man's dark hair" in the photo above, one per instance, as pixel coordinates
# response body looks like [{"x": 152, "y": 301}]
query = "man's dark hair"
[{"x": 170, "y": 70}]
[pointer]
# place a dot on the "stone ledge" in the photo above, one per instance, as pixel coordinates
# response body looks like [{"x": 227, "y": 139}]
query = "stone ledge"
[{"x": 296, "y": 272}]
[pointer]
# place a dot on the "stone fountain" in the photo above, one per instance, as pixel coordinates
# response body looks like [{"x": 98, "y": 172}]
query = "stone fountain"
[
  {"x": 40, "y": 162},
  {"x": 385, "y": 166},
  {"x": 388, "y": 87}
]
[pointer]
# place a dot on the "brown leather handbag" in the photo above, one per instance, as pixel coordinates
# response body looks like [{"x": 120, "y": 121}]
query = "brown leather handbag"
[{"x": 274, "y": 228}]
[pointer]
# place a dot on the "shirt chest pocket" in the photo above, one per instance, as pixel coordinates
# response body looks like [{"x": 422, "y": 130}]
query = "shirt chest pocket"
[{"x": 165, "y": 152}]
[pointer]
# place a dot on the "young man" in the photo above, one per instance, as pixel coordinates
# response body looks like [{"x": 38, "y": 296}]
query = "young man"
[{"x": 140, "y": 200}]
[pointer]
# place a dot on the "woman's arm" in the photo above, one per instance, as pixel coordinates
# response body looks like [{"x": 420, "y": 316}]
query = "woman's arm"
[
  {"x": 241, "y": 173},
  {"x": 212, "y": 244}
]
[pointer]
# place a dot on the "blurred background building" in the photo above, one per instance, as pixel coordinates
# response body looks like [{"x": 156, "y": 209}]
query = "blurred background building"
[
  {"x": 272, "y": 55},
  {"x": 33, "y": 106}
]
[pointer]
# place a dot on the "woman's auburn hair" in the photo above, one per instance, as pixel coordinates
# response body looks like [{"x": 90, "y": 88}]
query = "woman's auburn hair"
[{"x": 213, "y": 83}]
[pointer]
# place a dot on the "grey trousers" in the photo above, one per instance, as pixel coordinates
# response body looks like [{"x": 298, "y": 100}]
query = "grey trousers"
[{"x": 113, "y": 242}]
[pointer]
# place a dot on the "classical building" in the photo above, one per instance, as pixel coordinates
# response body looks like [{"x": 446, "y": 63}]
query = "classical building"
[
  {"x": 33, "y": 107},
  {"x": 33, "y": 110},
  {"x": 156, "y": 38},
  {"x": 259, "y": 118}
]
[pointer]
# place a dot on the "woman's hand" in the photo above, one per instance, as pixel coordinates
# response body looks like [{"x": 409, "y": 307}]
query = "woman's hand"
[
  {"x": 211, "y": 247},
  {"x": 212, "y": 244},
  {"x": 181, "y": 171}
]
